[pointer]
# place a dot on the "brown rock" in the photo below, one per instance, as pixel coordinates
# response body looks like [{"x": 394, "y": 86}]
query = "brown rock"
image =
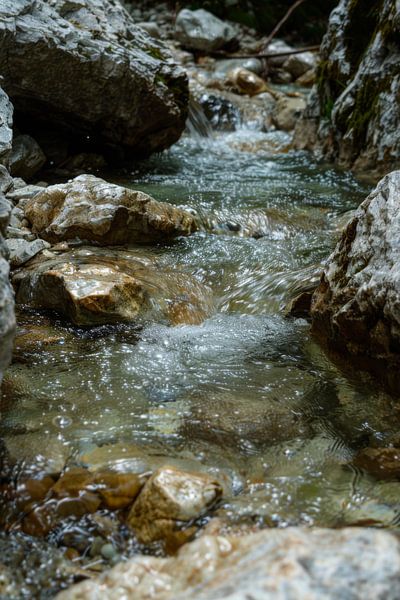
[
  {"x": 117, "y": 490},
  {"x": 382, "y": 463},
  {"x": 247, "y": 82},
  {"x": 169, "y": 499},
  {"x": 88, "y": 208}
]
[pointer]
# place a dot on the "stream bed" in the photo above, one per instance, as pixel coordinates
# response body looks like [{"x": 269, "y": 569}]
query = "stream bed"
[{"x": 246, "y": 395}]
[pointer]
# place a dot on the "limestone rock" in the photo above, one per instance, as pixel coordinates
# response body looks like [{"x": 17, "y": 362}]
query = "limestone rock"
[
  {"x": 306, "y": 564},
  {"x": 353, "y": 113},
  {"x": 201, "y": 30},
  {"x": 20, "y": 250},
  {"x": 90, "y": 209},
  {"x": 83, "y": 68},
  {"x": 356, "y": 306},
  {"x": 6, "y": 122},
  {"x": 26, "y": 157},
  {"x": 169, "y": 497},
  {"x": 7, "y": 317},
  {"x": 91, "y": 287},
  {"x": 247, "y": 82}
]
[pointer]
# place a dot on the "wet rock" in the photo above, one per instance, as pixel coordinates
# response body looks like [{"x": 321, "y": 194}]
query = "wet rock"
[
  {"x": 201, "y": 30},
  {"x": 287, "y": 112},
  {"x": 26, "y": 158},
  {"x": 20, "y": 250},
  {"x": 298, "y": 64},
  {"x": 353, "y": 113},
  {"x": 171, "y": 498},
  {"x": 280, "y": 76},
  {"x": 93, "y": 287},
  {"x": 308, "y": 79},
  {"x": 294, "y": 562},
  {"x": 62, "y": 63},
  {"x": 117, "y": 490},
  {"x": 355, "y": 307},
  {"x": 246, "y": 82},
  {"x": 90, "y": 209},
  {"x": 6, "y": 123},
  {"x": 382, "y": 463}
]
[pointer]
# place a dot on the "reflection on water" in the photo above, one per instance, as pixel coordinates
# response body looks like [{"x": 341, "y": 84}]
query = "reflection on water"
[{"x": 246, "y": 395}]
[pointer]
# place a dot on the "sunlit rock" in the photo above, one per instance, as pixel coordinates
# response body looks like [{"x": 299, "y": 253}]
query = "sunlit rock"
[
  {"x": 246, "y": 82},
  {"x": 171, "y": 497},
  {"x": 89, "y": 208},
  {"x": 288, "y": 111},
  {"x": 93, "y": 286},
  {"x": 274, "y": 564}
]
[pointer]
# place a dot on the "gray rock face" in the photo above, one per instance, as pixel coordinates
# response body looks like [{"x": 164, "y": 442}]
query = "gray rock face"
[
  {"x": 20, "y": 250},
  {"x": 26, "y": 158},
  {"x": 6, "y": 120},
  {"x": 356, "y": 307},
  {"x": 201, "y": 30},
  {"x": 353, "y": 115},
  {"x": 85, "y": 68},
  {"x": 89, "y": 208},
  {"x": 7, "y": 318},
  {"x": 361, "y": 564}
]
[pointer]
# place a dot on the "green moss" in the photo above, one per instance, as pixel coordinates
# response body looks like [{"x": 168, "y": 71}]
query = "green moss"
[{"x": 155, "y": 53}]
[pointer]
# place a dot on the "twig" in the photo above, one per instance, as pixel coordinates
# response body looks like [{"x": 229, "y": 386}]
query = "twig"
[
  {"x": 266, "y": 55},
  {"x": 281, "y": 22}
]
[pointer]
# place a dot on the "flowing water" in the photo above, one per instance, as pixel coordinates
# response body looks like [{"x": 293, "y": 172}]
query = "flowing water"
[{"x": 246, "y": 395}]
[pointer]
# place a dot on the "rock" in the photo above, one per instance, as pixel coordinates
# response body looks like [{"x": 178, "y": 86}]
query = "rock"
[
  {"x": 26, "y": 157},
  {"x": 276, "y": 564},
  {"x": 62, "y": 63},
  {"x": 278, "y": 47},
  {"x": 287, "y": 112},
  {"x": 151, "y": 28},
  {"x": 24, "y": 193},
  {"x": 298, "y": 64},
  {"x": 247, "y": 82},
  {"x": 255, "y": 65},
  {"x": 7, "y": 317},
  {"x": 6, "y": 181},
  {"x": 382, "y": 463},
  {"x": 91, "y": 287},
  {"x": 171, "y": 497},
  {"x": 353, "y": 113},
  {"x": 308, "y": 79},
  {"x": 6, "y": 123},
  {"x": 20, "y": 250},
  {"x": 281, "y": 77},
  {"x": 201, "y": 30},
  {"x": 355, "y": 308},
  {"x": 90, "y": 209}
]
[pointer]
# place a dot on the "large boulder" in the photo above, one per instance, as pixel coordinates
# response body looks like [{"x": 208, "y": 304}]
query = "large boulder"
[
  {"x": 91, "y": 286},
  {"x": 353, "y": 114},
  {"x": 83, "y": 67},
  {"x": 91, "y": 209},
  {"x": 361, "y": 564},
  {"x": 201, "y": 30},
  {"x": 356, "y": 307}
]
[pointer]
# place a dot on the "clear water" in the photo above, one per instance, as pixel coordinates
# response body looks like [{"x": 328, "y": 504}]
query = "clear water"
[{"x": 246, "y": 395}]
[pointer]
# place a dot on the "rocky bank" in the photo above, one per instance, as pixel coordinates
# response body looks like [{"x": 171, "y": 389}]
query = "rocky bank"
[{"x": 353, "y": 114}]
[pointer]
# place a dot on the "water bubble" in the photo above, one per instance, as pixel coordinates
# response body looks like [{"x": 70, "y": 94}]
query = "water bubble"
[{"x": 62, "y": 421}]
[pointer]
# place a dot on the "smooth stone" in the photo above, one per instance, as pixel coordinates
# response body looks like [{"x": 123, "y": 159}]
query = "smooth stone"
[
  {"x": 287, "y": 112},
  {"x": 201, "y": 30},
  {"x": 382, "y": 463},
  {"x": 88, "y": 208},
  {"x": 298, "y": 64},
  {"x": 170, "y": 497},
  {"x": 247, "y": 82}
]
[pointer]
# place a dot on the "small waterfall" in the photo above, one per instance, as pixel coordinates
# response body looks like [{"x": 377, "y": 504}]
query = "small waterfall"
[{"x": 197, "y": 124}]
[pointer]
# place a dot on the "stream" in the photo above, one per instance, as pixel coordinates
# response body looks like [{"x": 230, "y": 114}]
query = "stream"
[{"x": 246, "y": 395}]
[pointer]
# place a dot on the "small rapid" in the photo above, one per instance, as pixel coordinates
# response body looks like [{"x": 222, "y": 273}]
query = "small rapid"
[{"x": 246, "y": 394}]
